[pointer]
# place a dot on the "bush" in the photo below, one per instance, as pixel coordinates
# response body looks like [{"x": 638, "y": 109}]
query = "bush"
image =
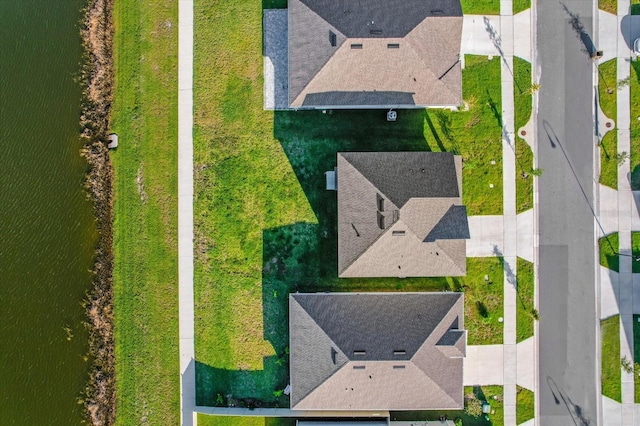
[{"x": 473, "y": 406}]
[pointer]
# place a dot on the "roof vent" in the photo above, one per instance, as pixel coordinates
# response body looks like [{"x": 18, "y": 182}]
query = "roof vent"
[
  {"x": 393, "y": 46},
  {"x": 375, "y": 31},
  {"x": 398, "y": 233},
  {"x": 396, "y": 215},
  {"x": 398, "y": 367},
  {"x": 333, "y": 38},
  {"x": 380, "y": 220},
  {"x": 359, "y": 352},
  {"x": 380, "y": 201},
  {"x": 356, "y": 46},
  {"x": 358, "y": 367},
  {"x": 399, "y": 352}
]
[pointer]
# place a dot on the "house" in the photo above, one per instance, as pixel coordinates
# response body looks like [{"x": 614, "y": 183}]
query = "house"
[
  {"x": 400, "y": 214},
  {"x": 374, "y": 53},
  {"x": 376, "y": 351}
]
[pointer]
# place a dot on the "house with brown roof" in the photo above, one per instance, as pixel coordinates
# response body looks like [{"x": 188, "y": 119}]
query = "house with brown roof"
[
  {"x": 374, "y": 53},
  {"x": 376, "y": 351},
  {"x": 400, "y": 214}
]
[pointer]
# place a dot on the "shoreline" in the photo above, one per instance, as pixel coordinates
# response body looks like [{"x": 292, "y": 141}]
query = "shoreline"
[{"x": 97, "y": 75}]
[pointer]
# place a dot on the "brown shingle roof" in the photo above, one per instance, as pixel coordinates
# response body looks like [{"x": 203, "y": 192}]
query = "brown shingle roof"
[
  {"x": 407, "y": 53},
  {"x": 400, "y": 214},
  {"x": 382, "y": 351}
]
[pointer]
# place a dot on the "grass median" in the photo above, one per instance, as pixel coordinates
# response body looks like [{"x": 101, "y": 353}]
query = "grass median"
[
  {"x": 525, "y": 405},
  {"x": 525, "y": 307},
  {"x": 523, "y": 104},
  {"x": 609, "y": 246},
  {"x": 611, "y": 373},
  {"x": 607, "y": 94},
  {"x": 480, "y": 7},
  {"x": 634, "y": 85},
  {"x": 145, "y": 228}
]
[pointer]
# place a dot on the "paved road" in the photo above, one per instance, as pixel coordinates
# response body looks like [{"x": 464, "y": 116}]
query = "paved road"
[{"x": 567, "y": 353}]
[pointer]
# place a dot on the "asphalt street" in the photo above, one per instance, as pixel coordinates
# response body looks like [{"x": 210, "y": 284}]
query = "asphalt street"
[{"x": 567, "y": 334}]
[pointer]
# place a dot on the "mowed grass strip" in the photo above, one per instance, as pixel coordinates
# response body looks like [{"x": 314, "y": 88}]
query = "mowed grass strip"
[
  {"x": 635, "y": 251},
  {"x": 611, "y": 373},
  {"x": 634, "y": 85},
  {"x": 636, "y": 357},
  {"x": 480, "y": 7},
  {"x": 607, "y": 94},
  {"x": 204, "y": 420},
  {"x": 524, "y": 305},
  {"x": 523, "y": 104},
  {"x": 520, "y": 5},
  {"x": 609, "y": 246},
  {"x": 145, "y": 228},
  {"x": 525, "y": 405},
  {"x": 610, "y": 6}
]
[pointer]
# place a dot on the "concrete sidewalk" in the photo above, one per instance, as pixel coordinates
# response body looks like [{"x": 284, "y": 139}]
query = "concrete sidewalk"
[{"x": 185, "y": 214}]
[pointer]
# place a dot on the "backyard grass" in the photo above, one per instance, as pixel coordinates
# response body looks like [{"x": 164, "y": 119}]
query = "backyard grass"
[
  {"x": 480, "y": 7},
  {"x": 610, "y": 6},
  {"x": 525, "y": 305},
  {"x": 611, "y": 373},
  {"x": 265, "y": 225},
  {"x": 520, "y": 5},
  {"x": 525, "y": 405},
  {"x": 491, "y": 394},
  {"x": 635, "y": 251},
  {"x": 607, "y": 94},
  {"x": 523, "y": 103},
  {"x": 634, "y": 86},
  {"x": 609, "y": 257},
  {"x": 636, "y": 356},
  {"x": 145, "y": 228}
]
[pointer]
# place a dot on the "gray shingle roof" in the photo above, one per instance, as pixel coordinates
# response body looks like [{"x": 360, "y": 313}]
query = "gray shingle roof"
[
  {"x": 421, "y": 69},
  {"x": 355, "y": 351},
  {"x": 400, "y": 214}
]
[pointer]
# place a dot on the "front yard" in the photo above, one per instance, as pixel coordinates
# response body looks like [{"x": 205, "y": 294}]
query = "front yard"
[{"x": 265, "y": 225}]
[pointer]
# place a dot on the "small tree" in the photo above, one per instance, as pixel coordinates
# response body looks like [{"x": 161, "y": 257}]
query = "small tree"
[
  {"x": 535, "y": 314},
  {"x": 626, "y": 364},
  {"x": 278, "y": 393},
  {"x": 621, "y": 157},
  {"x": 623, "y": 83},
  {"x": 534, "y": 88},
  {"x": 537, "y": 172}
]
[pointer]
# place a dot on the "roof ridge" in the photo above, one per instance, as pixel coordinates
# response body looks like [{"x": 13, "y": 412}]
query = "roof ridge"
[{"x": 444, "y": 251}]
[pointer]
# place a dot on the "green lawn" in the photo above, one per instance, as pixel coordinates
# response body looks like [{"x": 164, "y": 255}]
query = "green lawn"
[
  {"x": 244, "y": 421},
  {"x": 481, "y": 7},
  {"x": 611, "y": 373},
  {"x": 484, "y": 393},
  {"x": 265, "y": 225},
  {"x": 145, "y": 228},
  {"x": 609, "y": 251},
  {"x": 607, "y": 94},
  {"x": 523, "y": 103},
  {"x": 635, "y": 251},
  {"x": 525, "y": 405},
  {"x": 520, "y": 5},
  {"x": 635, "y": 124},
  {"x": 524, "y": 306},
  {"x": 636, "y": 356},
  {"x": 610, "y": 6}
]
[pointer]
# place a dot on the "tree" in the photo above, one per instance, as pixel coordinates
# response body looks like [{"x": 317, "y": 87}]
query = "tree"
[
  {"x": 621, "y": 157},
  {"x": 537, "y": 172},
  {"x": 473, "y": 406},
  {"x": 534, "y": 88}
]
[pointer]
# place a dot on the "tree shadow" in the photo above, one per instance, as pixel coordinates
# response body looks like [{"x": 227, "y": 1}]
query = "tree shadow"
[{"x": 578, "y": 27}]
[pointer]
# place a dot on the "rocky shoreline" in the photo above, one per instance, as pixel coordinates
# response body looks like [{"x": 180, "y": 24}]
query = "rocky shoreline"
[{"x": 97, "y": 77}]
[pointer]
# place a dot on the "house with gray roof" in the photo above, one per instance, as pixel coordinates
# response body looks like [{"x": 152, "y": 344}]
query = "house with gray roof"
[
  {"x": 376, "y": 351},
  {"x": 374, "y": 53},
  {"x": 400, "y": 214}
]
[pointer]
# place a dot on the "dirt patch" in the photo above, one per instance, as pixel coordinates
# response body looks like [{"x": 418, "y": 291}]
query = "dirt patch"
[{"x": 97, "y": 75}]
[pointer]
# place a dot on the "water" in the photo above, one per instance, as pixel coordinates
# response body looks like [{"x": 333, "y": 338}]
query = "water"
[{"x": 47, "y": 232}]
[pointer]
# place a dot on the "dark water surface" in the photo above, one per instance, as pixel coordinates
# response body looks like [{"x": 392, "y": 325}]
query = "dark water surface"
[{"x": 47, "y": 231}]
